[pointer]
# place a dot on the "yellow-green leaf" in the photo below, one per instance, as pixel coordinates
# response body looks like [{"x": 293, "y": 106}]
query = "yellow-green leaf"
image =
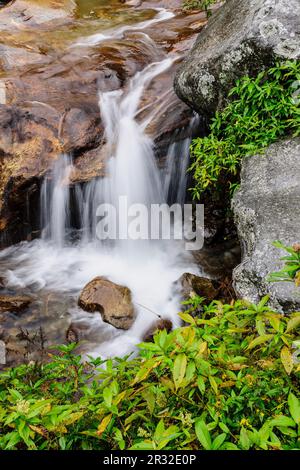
[
  {"x": 179, "y": 369},
  {"x": 187, "y": 318},
  {"x": 293, "y": 323},
  {"x": 213, "y": 384},
  {"x": 287, "y": 359},
  {"x": 147, "y": 367},
  {"x": 103, "y": 425},
  {"x": 260, "y": 340}
]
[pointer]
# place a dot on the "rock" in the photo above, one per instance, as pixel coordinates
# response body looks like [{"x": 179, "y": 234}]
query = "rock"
[
  {"x": 111, "y": 300},
  {"x": 243, "y": 37},
  {"x": 196, "y": 285},
  {"x": 267, "y": 208},
  {"x": 28, "y": 146},
  {"x": 162, "y": 324},
  {"x": 77, "y": 332},
  {"x": 25, "y": 14},
  {"x": 81, "y": 129},
  {"x": 14, "y": 304}
]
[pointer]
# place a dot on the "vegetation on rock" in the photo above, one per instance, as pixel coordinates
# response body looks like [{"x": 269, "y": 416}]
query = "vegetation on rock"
[
  {"x": 198, "y": 5},
  {"x": 291, "y": 270},
  {"x": 263, "y": 110},
  {"x": 227, "y": 380}
]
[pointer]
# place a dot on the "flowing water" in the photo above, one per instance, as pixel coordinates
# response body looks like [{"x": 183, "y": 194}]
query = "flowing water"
[{"x": 65, "y": 258}]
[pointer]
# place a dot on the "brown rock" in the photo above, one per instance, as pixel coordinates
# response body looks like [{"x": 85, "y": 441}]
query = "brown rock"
[
  {"x": 13, "y": 304},
  {"x": 78, "y": 331},
  {"x": 80, "y": 129},
  {"x": 196, "y": 285},
  {"x": 111, "y": 300},
  {"x": 24, "y": 14},
  {"x": 162, "y": 324}
]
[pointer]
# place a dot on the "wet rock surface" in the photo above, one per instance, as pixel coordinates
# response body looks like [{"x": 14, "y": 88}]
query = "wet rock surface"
[
  {"x": 267, "y": 208},
  {"x": 243, "y": 37},
  {"x": 111, "y": 300}
]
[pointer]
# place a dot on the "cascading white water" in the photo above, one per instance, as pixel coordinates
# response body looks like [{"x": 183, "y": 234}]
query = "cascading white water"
[
  {"x": 58, "y": 264},
  {"x": 176, "y": 171},
  {"x": 55, "y": 202}
]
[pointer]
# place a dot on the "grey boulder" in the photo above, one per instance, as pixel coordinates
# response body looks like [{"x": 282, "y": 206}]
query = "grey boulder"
[
  {"x": 242, "y": 38},
  {"x": 267, "y": 208}
]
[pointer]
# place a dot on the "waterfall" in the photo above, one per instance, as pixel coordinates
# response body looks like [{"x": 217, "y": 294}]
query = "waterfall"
[
  {"x": 59, "y": 262},
  {"x": 55, "y": 202},
  {"x": 131, "y": 167},
  {"x": 176, "y": 171}
]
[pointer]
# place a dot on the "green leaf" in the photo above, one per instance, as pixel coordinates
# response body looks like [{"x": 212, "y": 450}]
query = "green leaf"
[
  {"x": 62, "y": 443},
  {"x": 294, "y": 407},
  {"x": 245, "y": 442},
  {"x": 201, "y": 384},
  {"x": 143, "y": 445},
  {"x": 224, "y": 428},
  {"x": 219, "y": 440},
  {"x": 283, "y": 421},
  {"x": 107, "y": 396},
  {"x": 203, "y": 435}
]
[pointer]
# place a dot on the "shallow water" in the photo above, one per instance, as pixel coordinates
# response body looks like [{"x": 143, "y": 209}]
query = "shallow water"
[{"x": 89, "y": 17}]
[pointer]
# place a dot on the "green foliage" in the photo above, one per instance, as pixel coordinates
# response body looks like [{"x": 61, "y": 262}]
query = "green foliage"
[
  {"x": 198, "y": 4},
  {"x": 263, "y": 111},
  {"x": 226, "y": 380},
  {"x": 291, "y": 270}
]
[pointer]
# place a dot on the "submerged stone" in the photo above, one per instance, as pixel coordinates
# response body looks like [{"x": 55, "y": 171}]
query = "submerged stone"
[{"x": 14, "y": 304}]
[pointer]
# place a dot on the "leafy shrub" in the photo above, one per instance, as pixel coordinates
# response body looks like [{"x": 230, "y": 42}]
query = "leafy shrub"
[
  {"x": 263, "y": 110},
  {"x": 291, "y": 271},
  {"x": 227, "y": 380}
]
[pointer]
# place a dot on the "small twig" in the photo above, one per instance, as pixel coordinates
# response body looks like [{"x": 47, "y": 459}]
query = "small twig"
[{"x": 149, "y": 309}]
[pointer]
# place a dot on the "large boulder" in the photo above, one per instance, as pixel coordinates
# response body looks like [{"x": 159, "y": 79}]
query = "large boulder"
[
  {"x": 112, "y": 301},
  {"x": 243, "y": 37},
  {"x": 267, "y": 208}
]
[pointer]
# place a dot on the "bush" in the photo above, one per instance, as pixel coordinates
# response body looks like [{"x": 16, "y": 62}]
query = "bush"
[
  {"x": 263, "y": 111},
  {"x": 226, "y": 381}
]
